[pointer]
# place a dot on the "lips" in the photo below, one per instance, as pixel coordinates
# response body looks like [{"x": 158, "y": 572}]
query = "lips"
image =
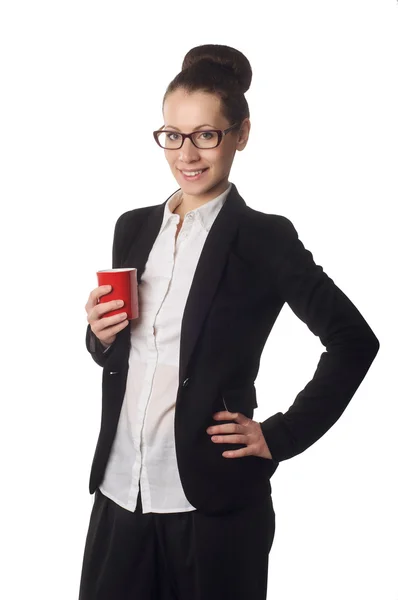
[
  {"x": 192, "y": 178},
  {"x": 193, "y": 170}
]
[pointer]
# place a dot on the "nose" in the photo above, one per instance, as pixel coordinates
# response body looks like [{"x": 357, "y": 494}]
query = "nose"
[{"x": 188, "y": 151}]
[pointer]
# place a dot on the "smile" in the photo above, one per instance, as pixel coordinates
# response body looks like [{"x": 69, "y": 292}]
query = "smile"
[{"x": 193, "y": 175}]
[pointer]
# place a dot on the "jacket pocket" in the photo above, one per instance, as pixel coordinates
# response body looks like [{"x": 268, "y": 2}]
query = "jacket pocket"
[{"x": 240, "y": 399}]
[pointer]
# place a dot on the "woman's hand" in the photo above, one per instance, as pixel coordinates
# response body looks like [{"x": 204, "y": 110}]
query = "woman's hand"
[
  {"x": 104, "y": 328},
  {"x": 243, "y": 431}
]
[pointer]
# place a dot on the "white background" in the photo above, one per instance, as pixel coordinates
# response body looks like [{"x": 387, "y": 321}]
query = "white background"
[{"x": 82, "y": 85}]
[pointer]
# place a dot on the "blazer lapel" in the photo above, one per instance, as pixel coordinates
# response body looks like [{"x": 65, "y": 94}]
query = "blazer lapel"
[{"x": 206, "y": 277}]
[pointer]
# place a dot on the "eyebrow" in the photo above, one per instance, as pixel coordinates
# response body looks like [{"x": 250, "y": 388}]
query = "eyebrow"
[{"x": 194, "y": 129}]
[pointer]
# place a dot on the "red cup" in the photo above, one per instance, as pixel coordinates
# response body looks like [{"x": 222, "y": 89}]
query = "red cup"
[{"x": 124, "y": 287}]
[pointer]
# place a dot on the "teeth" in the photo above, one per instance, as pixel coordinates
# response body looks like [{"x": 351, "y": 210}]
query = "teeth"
[{"x": 192, "y": 173}]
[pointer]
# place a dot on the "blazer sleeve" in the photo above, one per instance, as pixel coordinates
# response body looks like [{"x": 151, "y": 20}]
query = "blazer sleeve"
[
  {"x": 99, "y": 352},
  {"x": 351, "y": 347}
]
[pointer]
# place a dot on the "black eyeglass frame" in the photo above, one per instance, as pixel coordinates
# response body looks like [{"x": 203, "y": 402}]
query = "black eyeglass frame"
[{"x": 221, "y": 133}]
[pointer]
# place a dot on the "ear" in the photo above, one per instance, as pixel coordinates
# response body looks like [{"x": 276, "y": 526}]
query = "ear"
[{"x": 243, "y": 134}]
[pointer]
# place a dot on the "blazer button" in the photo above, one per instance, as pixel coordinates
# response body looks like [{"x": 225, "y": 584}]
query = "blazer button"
[{"x": 185, "y": 383}]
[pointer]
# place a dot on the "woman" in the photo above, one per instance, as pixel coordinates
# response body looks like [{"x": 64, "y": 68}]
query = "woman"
[{"x": 181, "y": 472}]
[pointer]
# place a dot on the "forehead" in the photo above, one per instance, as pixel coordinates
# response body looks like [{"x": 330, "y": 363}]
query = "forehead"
[{"x": 188, "y": 110}]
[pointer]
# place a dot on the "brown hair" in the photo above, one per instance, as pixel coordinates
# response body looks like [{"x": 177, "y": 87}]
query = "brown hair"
[{"x": 220, "y": 70}]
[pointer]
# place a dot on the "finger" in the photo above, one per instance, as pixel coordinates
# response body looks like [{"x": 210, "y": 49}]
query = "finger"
[
  {"x": 98, "y": 310},
  {"x": 96, "y": 294},
  {"x": 105, "y": 307},
  {"x": 229, "y": 439},
  {"x": 109, "y": 332},
  {"x": 100, "y": 291},
  {"x": 237, "y": 453},
  {"x": 226, "y": 428},
  {"x": 106, "y": 323},
  {"x": 225, "y": 415}
]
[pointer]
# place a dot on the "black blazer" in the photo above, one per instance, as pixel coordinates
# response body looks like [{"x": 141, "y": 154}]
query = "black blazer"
[{"x": 250, "y": 265}]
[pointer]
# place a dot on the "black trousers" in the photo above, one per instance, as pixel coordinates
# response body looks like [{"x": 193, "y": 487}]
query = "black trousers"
[{"x": 176, "y": 556}]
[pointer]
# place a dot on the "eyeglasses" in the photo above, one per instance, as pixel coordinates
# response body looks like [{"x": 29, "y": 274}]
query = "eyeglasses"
[{"x": 172, "y": 140}]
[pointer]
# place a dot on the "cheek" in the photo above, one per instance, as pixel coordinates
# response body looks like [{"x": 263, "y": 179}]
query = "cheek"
[
  {"x": 223, "y": 159},
  {"x": 170, "y": 159}
]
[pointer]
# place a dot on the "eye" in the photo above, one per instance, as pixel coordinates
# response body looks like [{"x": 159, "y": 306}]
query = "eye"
[
  {"x": 168, "y": 135},
  {"x": 211, "y": 134}
]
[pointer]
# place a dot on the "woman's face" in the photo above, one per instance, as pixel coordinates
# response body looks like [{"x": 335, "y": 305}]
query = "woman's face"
[{"x": 185, "y": 112}]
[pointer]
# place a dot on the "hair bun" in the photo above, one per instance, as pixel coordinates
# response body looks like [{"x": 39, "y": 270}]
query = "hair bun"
[{"x": 228, "y": 61}]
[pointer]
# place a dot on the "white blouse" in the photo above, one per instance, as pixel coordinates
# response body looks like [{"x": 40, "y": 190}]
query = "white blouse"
[{"x": 144, "y": 446}]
